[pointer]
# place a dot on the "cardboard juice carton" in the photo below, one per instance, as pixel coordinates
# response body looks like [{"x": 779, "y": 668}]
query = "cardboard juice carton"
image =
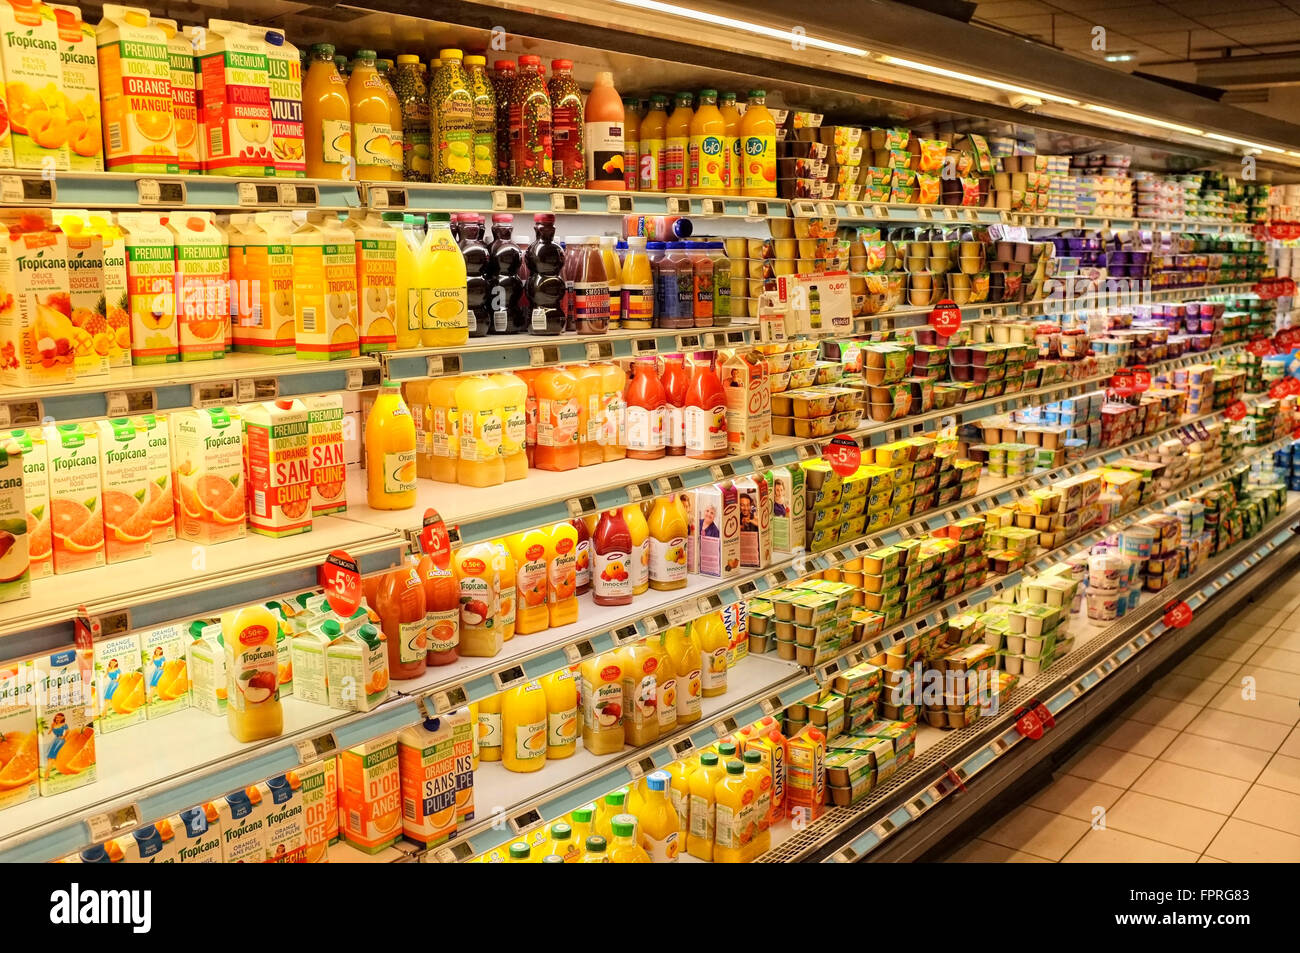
[
  {"x": 64, "y": 712},
  {"x": 749, "y": 403},
  {"x": 37, "y": 337},
  {"x": 427, "y": 762},
  {"x": 185, "y": 101},
  {"x": 199, "y": 833},
  {"x": 329, "y": 471},
  {"x": 325, "y": 289},
  {"x": 205, "y": 661},
  {"x": 35, "y": 486},
  {"x": 356, "y": 669},
  {"x": 207, "y": 449},
  {"x": 285, "y": 819},
  {"x": 156, "y": 843},
  {"x": 115, "y": 308},
  {"x": 284, "y": 70},
  {"x": 755, "y": 522},
  {"x": 805, "y": 789},
  {"x": 716, "y": 511},
  {"x": 32, "y": 69},
  {"x": 136, "y": 92},
  {"x": 307, "y": 655},
  {"x": 735, "y": 617},
  {"x": 279, "y": 469},
  {"x": 269, "y": 263},
  {"x": 151, "y": 291},
  {"x": 79, "y": 62},
  {"x": 6, "y": 139},
  {"x": 15, "y": 526},
  {"x": 370, "y": 795},
  {"x": 245, "y": 836},
  {"x": 202, "y": 285},
  {"x": 124, "y": 490},
  {"x": 159, "y": 503},
  {"x": 376, "y": 253},
  {"x": 19, "y": 757},
  {"x": 88, "y": 296},
  {"x": 76, "y": 512},
  {"x": 320, "y": 808},
  {"x": 119, "y": 682},
  {"x": 789, "y": 508},
  {"x": 464, "y": 734},
  {"x": 166, "y": 675},
  {"x": 235, "y": 100}
]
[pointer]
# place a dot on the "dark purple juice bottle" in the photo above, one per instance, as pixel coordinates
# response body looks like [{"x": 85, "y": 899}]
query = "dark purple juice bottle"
[
  {"x": 545, "y": 286},
  {"x": 477, "y": 259},
  {"x": 505, "y": 285}
]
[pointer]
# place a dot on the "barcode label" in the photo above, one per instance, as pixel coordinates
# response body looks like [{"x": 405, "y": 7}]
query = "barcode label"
[
  {"x": 408, "y": 808},
  {"x": 115, "y": 137},
  {"x": 309, "y": 320},
  {"x": 539, "y": 319},
  {"x": 255, "y": 316},
  {"x": 259, "y": 502},
  {"x": 354, "y": 820},
  {"x": 216, "y": 142}
]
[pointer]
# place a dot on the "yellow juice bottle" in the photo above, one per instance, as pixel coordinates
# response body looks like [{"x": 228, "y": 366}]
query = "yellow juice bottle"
[
  {"x": 602, "y": 703},
  {"x": 677, "y": 145},
  {"x": 488, "y": 725},
  {"x": 679, "y": 794},
  {"x": 529, "y": 552},
  {"x": 252, "y": 673},
  {"x": 613, "y": 382},
  {"x": 607, "y": 808},
  {"x": 513, "y": 394},
  {"x": 758, "y": 148},
  {"x": 640, "y": 664},
  {"x": 396, "y": 141},
  {"x": 443, "y": 420},
  {"x": 580, "y": 820},
  {"x": 416, "y": 394},
  {"x": 481, "y": 462},
  {"x": 651, "y": 145},
  {"x": 503, "y": 564},
  {"x": 561, "y": 714},
  {"x": 731, "y": 147},
  {"x": 440, "y": 283},
  {"x": 590, "y": 415},
  {"x": 595, "y": 850},
  {"x": 667, "y": 544},
  {"x": 479, "y": 578},
  {"x": 666, "y": 675},
  {"x": 390, "y": 451},
  {"x": 624, "y": 849},
  {"x": 640, "y": 557},
  {"x": 658, "y": 821},
  {"x": 372, "y": 121},
  {"x": 407, "y": 325},
  {"x": 703, "y": 806},
  {"x": 562, "y": 573},
  {"x": 707, "y": 160},
  {"x": 523, "y": 724},
  {"x": 327, "y": 118},
  {"x": 709, "y": 633},
  {"x": 561, "y": 844},
  {"x": 735, "y": 805},
  {"x": 521, "y": 853}
]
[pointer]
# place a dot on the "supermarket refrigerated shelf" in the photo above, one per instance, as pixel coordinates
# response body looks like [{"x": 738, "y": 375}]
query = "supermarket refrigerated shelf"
[{"x": 121, "y": 190}]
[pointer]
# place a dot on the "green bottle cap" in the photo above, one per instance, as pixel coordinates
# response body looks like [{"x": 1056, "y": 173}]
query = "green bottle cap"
[
  {"x": 735, "y": 767},
  {"x": 623, "y": 825},
  {"x": 519, "y": 850},
  {"x": 595, "y": 844}
]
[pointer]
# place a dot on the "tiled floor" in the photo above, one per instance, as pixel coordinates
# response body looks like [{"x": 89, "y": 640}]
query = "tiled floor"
[{"x": 1205, "y": 768}]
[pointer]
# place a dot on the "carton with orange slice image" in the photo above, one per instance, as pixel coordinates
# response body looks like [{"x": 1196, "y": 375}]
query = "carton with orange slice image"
[
  {"x": 124, "y": 490},
  {"x": 356, "y": 669},
  {"x": 119, "y": 682},
  {"x": 320, "y": 803},
  {"x": 426, "y": 758},
  {"x": 19, "y": 760},
  {"x": 235, "y": 100},
  {"x": 163, "y": 653},
  {"x": 279, "y": 467},
  {"x": 185, "y": 102},
  {"x": 244, "y": 834},
  {"x": 38, "y": 340},
  {"x": 376, "y": 251},
  {"x": 286, "y": 841},
  {"x": 15, "y": 520},
  {"x": 33, "y": 76},
  {"x": 325, "y": 289},
  {"x": 35, "y": 488},
  {"x": 151, "y": 290},
  {"x": 76, "y": 513},
  {"x": 136, "y": 93},
  {"x": 370, "y": 795},
  {"x": 80, "y": 89},
  {"x": 64, "y": 709},
  {"x": 159, "y": 502},
  {"x": 464, "y": 735},
  {"x": 208, "y": 474},
  {"x": 202, "y": 285}
]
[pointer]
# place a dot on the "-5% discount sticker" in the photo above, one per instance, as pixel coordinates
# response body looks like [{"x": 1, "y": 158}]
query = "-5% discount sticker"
[{"x": 340, "y": 577}]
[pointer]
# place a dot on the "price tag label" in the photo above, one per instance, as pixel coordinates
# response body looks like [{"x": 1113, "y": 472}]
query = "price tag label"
[
  {"x": 340, "y": 577},
  {"x": 803, "y": 209},
  {"x": 442, "y": 365},
  {"x": 104, "y": 825},
  {"x": 212, "y": 393},
  {"x": 246, "y": 192},
  {"x": 564, "y": 202},
  {"x": 15, "y": 189},
  {"x": 503, "y": 201},
  {"x": 843, "y": 454},
  {"x": 313, "y": 749},
  {"x": 541, "y": 356},
  {"x": 946, "y": 317},
  {"x": 713, "y": 207},
  {"x": 1178, "y": 615},
  {"x": 678, "y": 206},
  {"x": 147, "y": 191},
  {"x": 600, "y": 350},
  {"x": 855, "y": 210},
  {"x": 121, "y": 403},
  {"x": 757, "y": 209},
  {"x": 619, "y": 204},
  {"x": 645, "y": 346}
]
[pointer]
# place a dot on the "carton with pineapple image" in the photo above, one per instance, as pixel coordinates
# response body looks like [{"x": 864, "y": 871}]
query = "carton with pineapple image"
[
  {"x": 19, "y": 759},
  {"x": 151, "y": 291},
  {"x": 97, "y": 286},
  {"x": 235, "y": 112},
  {"x": 263, "y": 288},
  {"x": 124, "y": 490},
  {"x": 38, "y": 340},
  {"x": 202, "y": 285},
  {"x": 185, "y": 103},
  {"x": 208, "y": 474},
  {"x": 119, "y": 682},
  {"x": 64, "y": 709},
  {"x": 278, "y": 441},
  {"x": 325, "y": 289},
  {"x": 79, "y": 62},
  {"x": 36, "y": 498},
  {"x": 163, "y": 654},
  {"x": 76, "y": 513},
  {"x": 38, "y": 107},
  {"x": 136, "y": 92},
  {"x": 376, "y": 251},
  {"x": 159, "y": 501},
  {"x": 15, "y": 518}
]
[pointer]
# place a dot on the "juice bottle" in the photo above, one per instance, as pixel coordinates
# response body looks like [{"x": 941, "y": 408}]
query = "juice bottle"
[
  {"x": 760, "y": 778},
  {"x": 440, "y": 282},
  {"x": 734, "y": 816},
  {"x": 531, "y": 128},
  {"x": 523, "y": 724},
  {"x": 702, "y": 271},
  {"x": 506, "y": 288},
  {"x": 582, "y": 565},
  {"x": 705, "y": 411},
  {"x": 731, "y": 119},
  {"x": 677, "y": 145},
  {"x": 679, "y": 794},
  {"x": 636, "y": 288},
  {"x": 640, "y": 664},
  {"x": 443, "y": 420},
  {"x": 707, "y": 159},
  {"x": 650, "y": 177},
  {"x": 569, "y": 166},
  {"x": 390, "y": 451},
  {"x": 709, "y": 633},
  {"x": 721, "y": 284},
  {"x": 451, "y": 119},
  {"x": 561, "y": 844},
  {"x": 562, "y": 575},
  {"x": 504, "y": 76},
  {"x": 595, "y": 850},
  {"x": 591, "y": 294},
  {"x": 397, "y": 139},
  {"x": 484, "y": 114},
  {"x": 666, "y": 675},
  {"x": 687, "y": 664},
  {"x": 607, "y": 808},
  {"x": 631, "y": 142},
  {"x": 613, "y": 438},
  {"x": 441, "y": 610},
  {"x": 601, "y": 692},
  {"x": 675, "y": 287},
  {"x": 658, "y": 821},
  {"x": 703, "y": 806},
  {"x": 574, "y": 259},
  {"x": 558, "y": 413},
  {"x": 591, "y": 421},
  {"x": 758, "y": 135},
  {"x": 645, "y": 412},
  {"x": 416, "y": 394},
  {"x": 561, "y": 714},
  {"x": 529, "y": 552},
  {"x": 611, "y": 565},
  {"x": 479, "y": 404},
  {"x": 372, "y": 119},
  {"x": 580, "y": 819},
  {"x": 413, "y": 104},
  {"x": 667, "y": 544},
  {"x": 252, "y": 673},
  {"x": 481, "y": 634},
  {"x": 477, "y": 263},
  {"x": 407, "y": 323},
  {"x": 613, "y": 280},
  {"x": 545, "y": 288},
  {"x": 503, "y": 565},
  {"x": 489, "y": 728},
  {"x": 400, "y": 604},
  {"x": 640, "y": 529},
  {"x": 603, "y": 136},
  {"x": 675, "y": 381},
  {"x": 326, "y": 117},
  {"x": 625, "y": 849}
]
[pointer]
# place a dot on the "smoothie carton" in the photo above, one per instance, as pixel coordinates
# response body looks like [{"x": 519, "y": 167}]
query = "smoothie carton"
[
  {"x": 36, "y": 498},
  {"x": 124, "y": 489},
  {"x": 376, "y": 253},
  {"x": 328, "y": 469},
  {"x": 286, "y": 841},
  {"x": 755, "y": 500},
  {"x": 88, "y": 298},
  {"x": 76, "y": 512},
  {"x": 185, "y": 100},
  {"x": 320, "y": 803},
  {"x": 19, "y": 760},
  {"x": 163, "y": 653},
  {"x": 370, "y": 795},
  {"x": 136, "y": 91},
  {"x": 205, "y": 661},
  {"x": 15, "y": 542},
  {"x": 199, "y": 833},
  {"x": 234, "y": 100},
  {"x": 426, "y": 758},
  {"x": 244, "y": 830},
  {"x": 79, "y": 62},
  {"x": 202, "y": 285},
  {"x": 464, "y": 741},
  {"x": 159, "y": 503},
  {"x": 151, "y": 291},
  {"x": 716, "y": 512},
  {"x": 33, "y": 74},
  {"x": 64, "y": 712},
  {"x": 264, "y": 290},
  {"x": 119, "y": 682},
  {"x": 325, "y": 289},
  {"x": 279, "y": 468},
  {"x": 208, "y": 474},
  {"x": 356, "y": 669},
  {"x": 284, "y": 70},
  {"x": 749, "y": 403},
  {"x": 38, "y": 340}
]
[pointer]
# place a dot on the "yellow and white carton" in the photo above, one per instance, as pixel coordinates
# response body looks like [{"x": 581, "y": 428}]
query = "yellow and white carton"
[
  {"x": 356, "y": 669},
  {"x": 245, "y": 836},
  {"x": 151, "y": 290},
  {"x": 124, "y": 490},
  {"x": 285, "y": 819},
  {"x": 202, "y": 285},
  {"x": 36, "y": 499},
  {"x": 185, "y": 101},
  {"x": 376, "y": 253},
  {"x": 80, "y": 89},
  {"x": 325, "y": 289},
  {"x": 207, "y": 450},
  {"x": 308, "y": 650},
  {"x": 166, "y": 674},
  {"x": 329, "y": 471},
  {"x": 426, "y": 758},
  {"x": 119, "y": 682},
  {"x": 33, "y": 74},
  {"x": 15, "y": 526},
  {"x": 263, "y": 291},
  {"x": 199, "y": 833},
  {"x": 88, "y": 297},
  {"x": 64, "y": 712},
  {"x": 37, "y": 337},
  {"x": 19, "y": 758},
  {"x": 160, "y": 502},
  {"x": 284, "y": 69},
  {"x": 206, "y": 662},
  {"x": 76, "y": 511},
  {"x": 320, "y": 803},
  {"x": 136, "y": 93},
  {"x": 235, "y": 93}
]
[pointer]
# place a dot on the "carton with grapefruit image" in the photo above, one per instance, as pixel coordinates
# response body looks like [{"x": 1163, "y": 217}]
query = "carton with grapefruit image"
[
  {"x": 370, "y": 795},
  {"x": 376, "y": 250},
  {"x": 16, "y": 522},
  {"x": 202, "y": 285},
  {"x": 19, "y": 760},
  {"x": 356, "y": 669},
  {"x": 136, "y": 93},
  {"x": 245, "y": 835},
  {"x": 151, "y": 290},
  {"x": 426, "y": 758},
  {"x": 119, "y": 682},
  {"x": 159, "y": 502},
  {"x": 36, "y": 499},
  {"x": 88, "y": 259},
  {"x": 37, "y": 337},
  {"x": 329, "y": 472},
  {"x": 80, "y": 89},
  {"x": 124, "y": 490},
  {"x": 235, "y": 100},
  {"x": 320, "y": 808},
  {"x": 185, "y": 102},
  {"x": 163, "y": 653},
  {"x": 205, "y": 662},
  {"x": 277, "y": 438},
  {"x": 263, "y": 290},
  {"x": 325, "y": 289},
  {"x": 286, "y": 841},
  {"x": 207, "y": 449},
  {"x": 76, "y": 513},
  {"x": 64, "y": 712},
  {"x": 199, "y": 832},
  {"x": 38, "y": 113}
]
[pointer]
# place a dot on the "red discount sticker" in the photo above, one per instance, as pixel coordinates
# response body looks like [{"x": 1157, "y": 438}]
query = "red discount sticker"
[
  {"x": 1260, "y": 347},
  {"x": 434, "y": 539},
  {"x": 1141, "y": 378},
  {"x": 1044, "y": 714},
  {"x": 1178, "y": 615},
  {"x": 1236, "y": 410},
  {"x": 340, "y": 576},
  {"x": 1123, "y": 382},
  {"x": 1284, "y": 341},
  {"x": 946, "y": 317},
  {"x": 1286, "y": 387},
  {"x": 1029, "y": 725},
  {"x": 843, "y": 454}
]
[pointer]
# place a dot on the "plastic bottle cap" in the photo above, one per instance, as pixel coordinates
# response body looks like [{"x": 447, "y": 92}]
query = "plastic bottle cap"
[
  {"x": 709, "y": 758},
  {"x": 445, "y": 55},
  {"x": 735, "y": 767},
  {"x": 544, "y": 218},
  {"x": 595, "y": 844},
  {"x": 604, "y": 78},
  {"x": 331, "y": 628},
  {"x": 552, "y": 859},
  {"x": 753, "y": 757},
  {"x": 758, "y": 93},
  {"x": 519, "y": 850},
  {"x": 623, "y": 825},
  {"x": 405, "y": 58},
  {"x": 650, "y": 246},
  {"x": 323, "y": 49},
  {"x": 708, "y": 94},
  {"x": 503, "y": 64},
  {"x": 476, "y": 61},
  {"x": 530, "y": 60},
  {"x": 393, "y": 216},
  {"x": 658, "y": 780},
  {"x": 583, "y": 815},
  {"x": 561, "y": 64},
  {"x": 726, "y": 749},
  {"x": 438, "y": 217},
  {"x": 274, "y": 38},
  {"x": 616, "y": 798},
  {"x": 561, "y": 831},
  {"x": 364, "y": 55}
]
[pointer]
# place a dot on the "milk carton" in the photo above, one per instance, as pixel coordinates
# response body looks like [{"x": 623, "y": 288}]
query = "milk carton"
[
  {"x": 370, "y": 795},
  {"x": 76, "y": 513},
  {"x": 284, "y": 71},
  {"x": 716, "y": 512},
  {"x": 376, "y": 253},
  {"x": 160, "y": 501},
  {"x": 286, "y": 828},
  {"x": 320, "y": 802},
  {"x": 749, "y": 402},
  {"x": 136, "y": 90},
  {"x": 235, "y": 101},
  {"x": 427, "y": 761},
  {"x": 185, "y": 102},
  {"x": 205, "y": 660},
  {"x": 245, "y": 836},
  {"x": 202, "y": 285},
  {"x": 789, "y": 508},
  {"x": 119, "y": 682},
  {"x": 15, "y": 526},
  {"x": 124, "y": 490},
  {"x": 36, "y": 499},
  {"x": 79, "y": 63},
  {"x": 151, "y": 293},
  {"x": 199, "y": 834},
  {"x": 208, "y": 474},
  {"x": 33, "y": 75},
  {"x": 64, "y": 709},
  {"x": 19, "y": 757},
  {"x": 325, "y": 289},
  {"x": 38, "y": 340},
  {"x": 328, "y": 469},
  {"x": 163, "y": 655},
  {"x": 279, "y": 467}
]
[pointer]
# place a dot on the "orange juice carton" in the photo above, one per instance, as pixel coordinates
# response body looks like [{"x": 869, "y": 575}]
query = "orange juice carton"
[
  {"x": 262, "y": 287},
  {"x": 37, "y": 336},
  {"x": 755, "y": 522},
  {"x": 79, "y": 61},
  {"x": 158, "y": 843},
  {"x": 36, "y": 498},
  {"x": 96, "y": 278},
  {"x": 245, "y": 835},
  {"x": 33, "y": 78},
  {"x": 202, "y": 285},
  {"x": 198, "y": 830},
  {"x": 426, "y": 759},
  {"x": 64, "y": 712},
  {"x": 207, "y": 448},
  {"x": 356, "y": 669},
  {"x": 119, "y": 682},
  {"x": 370, "y": 795},
  {"x": 325, "y": 289},
  {"x": 320, "y": 808},
  {"x": 76, "y": 512},
  {"x": 464, "y": 742},
  {"x": 806, "y": 773},
  {"x": 328, "y": 469},
  {"x": 124, "y": 490},
  {"x": 716, "y": 511},
  {"x": 136, "y": 92},
  {"x": 19, "y": 758},
  {"x": 735, "y": 618},
  {"x": 284, "y": 70},
  {"x": 150, "y": 285},
  {"x": 159, "y": 501},
  {"x": 6, "y": 139},
  {"x": 376, "y": 252},
  {"x": 279, "y": 467},
  {"x": 235, "y": 100},
  {"x": 163, "y": 654},
  {"x": 205, "y": 661},
  {"x": 185, "y": 101},
  {"x": 16, "y": 522},
  {"x": 285, "y": 819},
  {"x": 749, "y": 401}
]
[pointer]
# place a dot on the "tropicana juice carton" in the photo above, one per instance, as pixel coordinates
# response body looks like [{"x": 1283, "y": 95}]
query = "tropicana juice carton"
[
  {"x": 155, "y": 843},
  {"x": 64, "y": 709},
  {"x": 80, "y": 89},
  {"x": 151, "y": 290},
  {"x": 36, "y": 499},
  {"x": 6, "y": 139},
  {"x": 136, "y": 90},
  {"x": 276, "y": 434},
  {"x": 38, "y": 106},
  {"x": 119, "y": 682},
  {"x": 329, "y": 472},
  {"x": 202, "y": 285},
  {"x": 124, "y": 490},
  {"x": 15, "y": 547},
  {"x": 110, "y": 316},
  {"x": 208, "y": 474},
  {"x": 160, "y": 502},
  {"x": 185, "y": 101},
  {"x": 244, "y": 832},
  {"x": 286, "y": 841},
  {"x": 37, "y": 336},
  {"x": 76, "y": 513},
  {"x": 284, "y": 71},
  {"x": 320, "y": 802},
  {"x": 426, "y": 759},
  {"x": 88, "y": 298},
  {"x": 376, "y": 251},
  {"x": 325, "y": 289},
  {"x": 163, "y": 653},
  {"x": 370, "y": 795},
  {"x": 19, "y": 758},
  {"x": 199, "y": 833},
  {"x": 234, "y": 100}
]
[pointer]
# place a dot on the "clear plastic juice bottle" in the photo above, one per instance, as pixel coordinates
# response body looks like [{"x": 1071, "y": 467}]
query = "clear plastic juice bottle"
[
  {"x": 408, "y": 79},
  {"x": 645, "y": 412},
  {"x": 601, "y": 680},
  {"x": 514, "y": 421},
  {"x": 443, "y": 420},
  {"x": 562, "y": 573},
  {"x": 485, "y": 121},
  {"x": 613, "y": 437},
  {"x": 611, "y": 565},
  {"x": 760, "y": 779},
  {"x": 758, "y": 149},
  {"x": 327, "y": 118},
  {"x": 731, "y": 119},
  {"x": 478, "y": 579},
  {"x": 523, "y": 724},
  {"x": 557, "y": 420},
  {"x": 397, "y": 139},
  {"x": 607, "y": 808},
  {"x": 479, "y": 403},
  {"x": 734, "y": 797},
  {"x": 687, "y": 667},
  {"x": 489, "y": 728},
  {"x": 679, "y": 794},
  {"x": 613, "y": 280},
  {"x": 603, "y": 137},
  {"x": 640, "y": 530},
  {"x": 561, "y": 843},
  {"x": 636, "y": 288},
  {"x": 521, "y": 853},
  {"x": 660, "y": 829},
  {"x": 569, "y": 170},
  {"x": 707, "y": 160},
  {"x": 390, "y": 451},
  {"x": 702, "y": 271},
  {"x": 451, "y": 120},
  {"x": 640, "y": 664},
  {"x": 667, "y": 544},
  {"x": 675, "y": 380},
  {"x": 631, "y": 142},
  {"x": 372, "y": 119},
  {"x": 400, "y": 604},
  {"x": 253, "y": 709},
  {"x": 650, "y": 176},
  {"x": 580, "y": 819},
  {"x": 561, "y": 714},
  {"x": 625, "y": 849},
  {"x": 407, "y": 325},
  {"x": 677, "y": 144},
  {"x": 666, "y": 700},
  {"x": 531, "y": 127},
  {"x": 416, "y": 394},
  {"x": 703, "y": 782},
  {"x": 440, "y": 280},
  {"x": 504, "y": 75},
  {"x": 529, "y": 550},
  {"x": 591, "y": 418},
  {"x": 709, "y": 633},
  {"x": 705, "y": 411},
  {"x": 441, "y": 611},
  {"x": 595, "y": 850},
  {"x": 582, "y": 566}
]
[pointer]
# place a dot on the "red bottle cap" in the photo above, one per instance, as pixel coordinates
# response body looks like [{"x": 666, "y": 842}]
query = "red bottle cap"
[
  {"x": 503, "y": 218},
  {"x": 504, "y": 64},
  {"x": 561, "y": 65}
]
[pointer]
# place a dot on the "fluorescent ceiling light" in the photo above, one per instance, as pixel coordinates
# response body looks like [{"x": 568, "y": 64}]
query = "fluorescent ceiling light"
[
  {"x": 1245, "y": 143},
  {"x": 1120, "y": 57},
  {"x": 762, "y": 30},
  {"x": 1145, "y": 120},
  {"x": 977, "y": 80}
]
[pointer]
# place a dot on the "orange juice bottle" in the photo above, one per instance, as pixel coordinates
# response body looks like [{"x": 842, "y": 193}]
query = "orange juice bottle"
[
  {"x": 709, "y": 633},
  {"x": 416, "y": 394},
  {"x": 557, "y": 420},
  {"x": 562, "y": 573},
  {"x": 529, "y": 552},
  {"x": 390, "y": 451},
  {"x": 640, "y": 665},
  {"x": 524, "y": 724},
  {"x": 607, "y": 808},
  {"x": 513, "y": 394},
  {"x": 590, "y": 415},
  {"x": 614, "y": 431},
  {"x": 561, "y": 714},
  {"x": 730, "y": 143},
  {"x": 480, "y": 624},
  {"x": 667, "y": 544},
  {"x": 253, "y": 709},
  {"x": 442, "y": 417},
  {"x": 660, "y": 828},
  {"x": 327, "y": 117},
  {"x": 684, "y": 655},
  {"x": 650, "y": 172},
  {"x": 504, "y": 565},
  {"x": 400, "y": 604},
  {"x": 760, "y": 778},
  {"x": 703, "y": 806},
  {"x": 707, "y": 160},
  {"x": 372, "y": 121},
  {"x": 734, "y": 818},
  {"x": 640, "y": 556},
  {"x": 602, "y": 703},
  {"x": 666, "y": 675},
  {"x": 625, "y": 849},
  {"x": 677, "y": 145},
  {"x": 758, "y": 149},
  {"x": 396, "y": 139},
  {"x": 481, "y": 461},
  {"x": 489, "y": 728}
]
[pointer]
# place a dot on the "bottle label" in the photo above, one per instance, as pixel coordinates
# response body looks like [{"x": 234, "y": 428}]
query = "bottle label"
[
  {"x": 641, "y": 564},
  {"x": 605, "y": 154},
  {"x": 530, "y": 579},
  {"x": 682, "y": 805},
  {"x": 651, "y": 174},
  {"x": 412, "y": 635},
  {"x": 591, "y": 303},
  {"x": 666, "y": 703},
  {"x": 506, "y": 605},
  {"x": 602, "y": 705},
  {"x": 706, "y": 429},
  {"x": 500, "y": 319},
  {"x": 663, "y": 851},
  {"x": 582, "y": 564},
  {"x": 422, "y": 441},
  {"x": 399, "y": 471},
  {"x": 731, "y": 161},
  {"x": 530, "y": 741},
  {"x": 478, "y": 604},
  {"x": 611, "y": 573},
  {"x": 759, "y": 164},
  {"x": 631, "y": 162},
  {"x": 539, "y": 319},
  {"x": 707, "y": 161},
  {"x": 557, "y": 422},
  {"x": 676, "y": 152},
  {"x": 702, "y": 817},
  {"x": 445, "y": 434},
  {"x": 414, "y": 309},
  {"x": 689, "y": 697},
  {"x": 727, "y": 827},
  {"x": 763, "y": 804},
  {"x": 721, "y": 297},
  {"x": 514, "y": 429},
  {"x": 614, "y": 432},
  {"x": 453, "y": 120},
  {"x": 444, "y": 309},
  {"x": 668, "y": 559},
  {"x": 685, "y": 296},
  {"x": 480, "y": 439},
  {"x": 674, "y": 426},
  {"x": 595, "y": 420},
  {"x": 638, "y": 307},
  {"x": 373, "y": 141},
  {"x": 714, "y": 674},
  {"x": 562, "y": 728},
  {"x": 336, "y": 141},
  {"x": 642, "y": 697},
  {"x": 563, "y": 579},
  {"x": 489, "y": 730},
  {"x": 703, "y": 303},
  {"x": 644, "y": 428},
  {"x": 566, "y": 142},
  {"x": 442, "y": 628}
]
